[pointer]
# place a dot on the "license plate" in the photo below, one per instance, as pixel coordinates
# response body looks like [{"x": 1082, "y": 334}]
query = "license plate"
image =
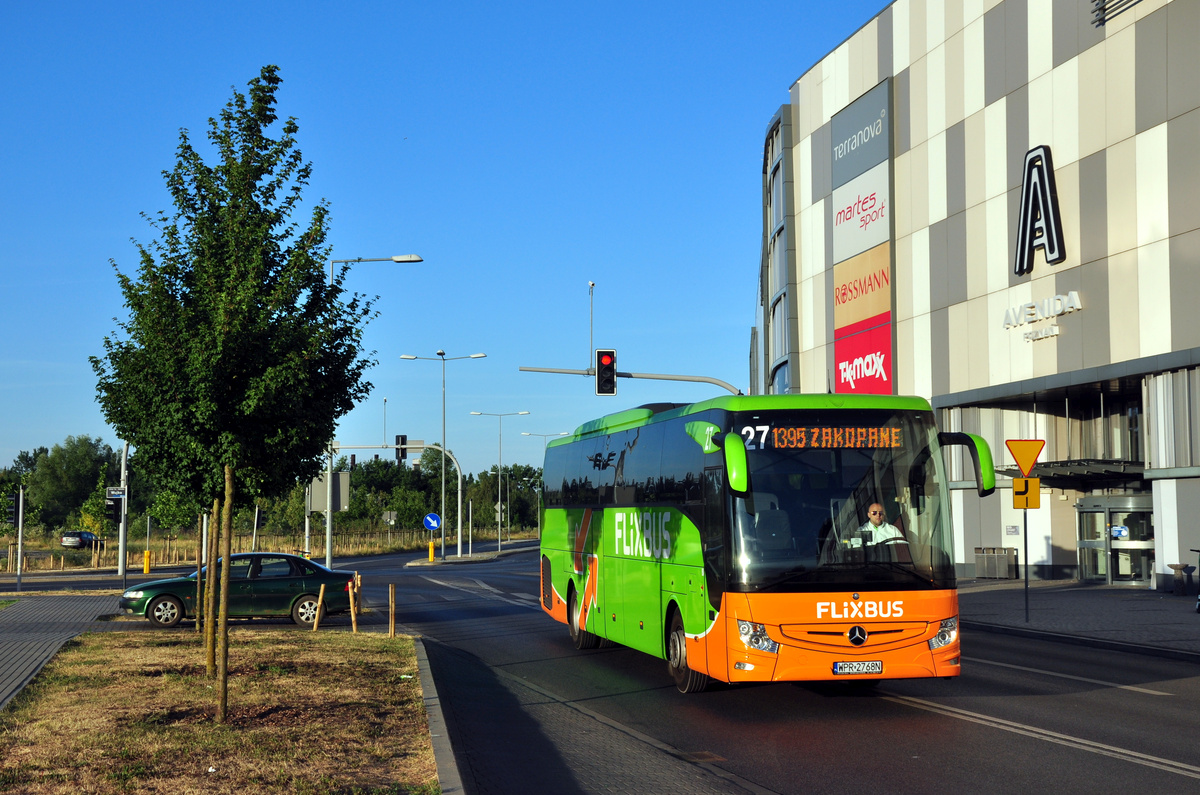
[{"x": 859, "y": 667}]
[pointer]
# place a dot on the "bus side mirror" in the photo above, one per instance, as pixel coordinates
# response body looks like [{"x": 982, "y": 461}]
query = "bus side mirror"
[
  {"x": 736, "y": 469},
  {"x": 981, "y": 457}
]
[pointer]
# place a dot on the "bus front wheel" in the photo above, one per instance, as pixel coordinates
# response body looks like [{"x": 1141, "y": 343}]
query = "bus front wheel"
[
  {"x": 580, "y": 637},
  {"x": 686, "y": 679}
]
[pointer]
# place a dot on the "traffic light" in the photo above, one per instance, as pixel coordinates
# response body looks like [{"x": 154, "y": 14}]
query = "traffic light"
[
  {"x": 401, "y": 451},
  {"x": 606, "y": 372},
  {"x": 112, "y": 508}
]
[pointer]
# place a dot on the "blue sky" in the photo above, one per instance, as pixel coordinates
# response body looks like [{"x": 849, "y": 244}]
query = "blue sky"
[{"x": 522, "y": 149}]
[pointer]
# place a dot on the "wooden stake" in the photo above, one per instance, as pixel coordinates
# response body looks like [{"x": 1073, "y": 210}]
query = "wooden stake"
[
  {"x": 391, "y": 610},
  {"x": 320, "y": 605}
]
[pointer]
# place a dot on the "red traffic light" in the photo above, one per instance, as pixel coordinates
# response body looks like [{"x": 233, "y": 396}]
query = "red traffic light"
[{"x": 606, "y": 372}]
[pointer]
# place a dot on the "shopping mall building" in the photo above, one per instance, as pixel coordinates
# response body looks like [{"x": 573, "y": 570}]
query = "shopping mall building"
[{"x": 995, "y": 204}]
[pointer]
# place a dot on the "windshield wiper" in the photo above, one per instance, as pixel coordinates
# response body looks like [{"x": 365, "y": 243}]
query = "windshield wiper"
[
  {"x": 802, "y": 573},
  {"x": 892, "y": 565},
  {"x": 797, "y": 573}
]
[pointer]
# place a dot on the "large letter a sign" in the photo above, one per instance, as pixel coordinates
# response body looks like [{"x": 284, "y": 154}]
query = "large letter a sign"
[{"x": 1038, "y": 225}]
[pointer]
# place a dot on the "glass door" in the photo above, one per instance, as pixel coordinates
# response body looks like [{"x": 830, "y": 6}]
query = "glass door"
[
  {"x": 1093, "y": 552},
  {"x": 1116, "y": 539},
  {"x": 1131, "y": 546}
]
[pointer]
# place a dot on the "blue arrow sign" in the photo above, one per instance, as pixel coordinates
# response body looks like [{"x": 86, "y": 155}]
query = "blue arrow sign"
[{"x": 432, "y": 521}]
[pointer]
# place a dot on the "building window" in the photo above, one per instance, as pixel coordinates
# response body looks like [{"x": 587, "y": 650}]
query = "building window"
[
  {"x": 777, "y": 347},
  {"x": 776, "y": 197},
  {"x": 779, "y": 269},
  {"x": 781, "y": 382}
]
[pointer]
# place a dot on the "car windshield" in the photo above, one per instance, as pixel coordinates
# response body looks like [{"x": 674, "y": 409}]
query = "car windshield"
[{"x": 841, "y": 499}]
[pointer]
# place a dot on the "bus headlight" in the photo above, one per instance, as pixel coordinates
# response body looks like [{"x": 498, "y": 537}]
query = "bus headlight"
[
  {"x": 947, "y": 634},
  {"x": 755, "y": 637}
]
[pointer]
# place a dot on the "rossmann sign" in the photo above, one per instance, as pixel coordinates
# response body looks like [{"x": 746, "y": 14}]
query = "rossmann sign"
[{"x": 861, "y": 209}]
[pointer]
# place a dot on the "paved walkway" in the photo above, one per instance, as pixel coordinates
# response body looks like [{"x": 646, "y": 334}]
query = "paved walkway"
[
  {"x": 35, "y": 628},
  {"x": 1109, "y": 616}
]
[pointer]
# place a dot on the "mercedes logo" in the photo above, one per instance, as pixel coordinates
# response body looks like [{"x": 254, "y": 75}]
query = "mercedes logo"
[{"x": 857, "y": 636}]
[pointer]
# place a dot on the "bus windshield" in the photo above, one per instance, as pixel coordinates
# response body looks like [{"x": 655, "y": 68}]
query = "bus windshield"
[{"x": 840, "y": 499}]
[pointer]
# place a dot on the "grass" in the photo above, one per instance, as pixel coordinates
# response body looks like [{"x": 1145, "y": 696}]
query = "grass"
[{"x": 119, "y": 712}]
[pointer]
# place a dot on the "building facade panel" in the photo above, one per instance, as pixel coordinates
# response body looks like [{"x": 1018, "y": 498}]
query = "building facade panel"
[{"x": 1019, "y": 123}]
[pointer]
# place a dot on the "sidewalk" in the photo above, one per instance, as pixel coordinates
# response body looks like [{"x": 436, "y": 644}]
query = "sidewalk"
[
  {"x": 34, "y": 629},
  {"x": 1118, "y": 617}
]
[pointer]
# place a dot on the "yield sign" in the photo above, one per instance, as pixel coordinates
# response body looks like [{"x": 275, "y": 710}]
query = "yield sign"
[{"x": 1025, "y": 452}]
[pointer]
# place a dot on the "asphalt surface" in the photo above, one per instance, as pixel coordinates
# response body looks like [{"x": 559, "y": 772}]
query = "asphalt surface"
[{"x": 1124, "y": 618}]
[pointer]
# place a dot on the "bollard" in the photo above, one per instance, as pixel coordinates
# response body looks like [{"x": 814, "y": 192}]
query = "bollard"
[
  {"x": 1178, "y": 582},
  {"x": 146, "y": 562},
  {"x": 431, "y": 552},
  {"x": 391, "y": 610},
  {"x": 320, "y": 604}
]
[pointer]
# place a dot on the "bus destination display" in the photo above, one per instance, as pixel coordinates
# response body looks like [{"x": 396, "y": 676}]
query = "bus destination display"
[{"x": 855, "y": 437}]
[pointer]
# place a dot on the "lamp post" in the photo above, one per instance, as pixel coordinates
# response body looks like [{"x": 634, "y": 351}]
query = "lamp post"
[
  {"x": 499, "y": 469},
  {"x": 398, "y": 258},
  {"x": 442, "y": 356},
  {"x": 546, "y": 437}
]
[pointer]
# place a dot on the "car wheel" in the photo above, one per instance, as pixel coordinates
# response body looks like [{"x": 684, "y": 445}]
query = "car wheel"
[
  {"x": 580, "y": 638},
  {"x": 304, "y": 612},
  {"x": 686, "y": 680},
  {"x": 164, "y": 611}
]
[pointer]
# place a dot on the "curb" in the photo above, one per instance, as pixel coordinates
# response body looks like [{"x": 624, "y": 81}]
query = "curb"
[
  {"x": 449, "y": 779},
  {"x": 1080, "y": 640},
  {"x": 482, "y": 557}
]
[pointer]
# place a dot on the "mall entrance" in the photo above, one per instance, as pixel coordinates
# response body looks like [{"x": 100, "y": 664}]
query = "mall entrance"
[{"x": 1116, "y": 539}]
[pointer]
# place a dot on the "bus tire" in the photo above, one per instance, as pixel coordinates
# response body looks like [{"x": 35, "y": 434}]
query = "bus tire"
[
  {"x": 580, "y": 637},
  {"x": 686, "y": 679}
]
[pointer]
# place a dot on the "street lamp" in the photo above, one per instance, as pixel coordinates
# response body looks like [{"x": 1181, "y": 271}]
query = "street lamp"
[
  {"x": 397, "y": 258},
  {"x": 442, "y": 356},
  {"x": 545, "y": 437},
  {"x": 499, "y": 469}
]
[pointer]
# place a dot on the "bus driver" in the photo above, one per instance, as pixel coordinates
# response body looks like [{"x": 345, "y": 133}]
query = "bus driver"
[{"x": 877, "y": 530}]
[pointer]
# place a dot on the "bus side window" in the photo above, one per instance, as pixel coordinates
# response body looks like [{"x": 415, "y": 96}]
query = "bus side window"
[
  {"x": 555, "y": 475},
  {"x": 642, "y": 463}
]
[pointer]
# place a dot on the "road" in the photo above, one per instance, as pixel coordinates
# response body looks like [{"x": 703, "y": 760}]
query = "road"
[
  {"x": 528, "y": 713},
  {"x": 1025, "y": 715}
]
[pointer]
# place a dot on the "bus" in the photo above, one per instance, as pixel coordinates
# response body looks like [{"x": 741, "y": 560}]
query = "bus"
[{"x": 733, "y": 539}]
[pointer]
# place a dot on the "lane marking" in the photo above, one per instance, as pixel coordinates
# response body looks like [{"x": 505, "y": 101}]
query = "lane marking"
[
  {"x": 490, "y": 592},
  {"x": 1078, "y": 743},
  {"x": 1068, "y": 676}
]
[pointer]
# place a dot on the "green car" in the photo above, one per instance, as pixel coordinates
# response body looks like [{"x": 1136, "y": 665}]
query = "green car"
[{"x": 260, "y": 584}]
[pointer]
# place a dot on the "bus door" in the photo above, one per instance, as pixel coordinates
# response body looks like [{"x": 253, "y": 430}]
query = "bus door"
[
  {"x": 715, "y": 538},
  {"x": 639, "y": 549},
  {"x": 612, "y": 575}
]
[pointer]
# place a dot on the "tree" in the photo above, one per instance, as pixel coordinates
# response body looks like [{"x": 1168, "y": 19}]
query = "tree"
[
  {"x": 172, "y": 511},
  {"x": 238, "y": 356},
  {"x": 26, "y": 461},
  {"x": 93, "y": 514},
  {"x": 63, "y": 478}
]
